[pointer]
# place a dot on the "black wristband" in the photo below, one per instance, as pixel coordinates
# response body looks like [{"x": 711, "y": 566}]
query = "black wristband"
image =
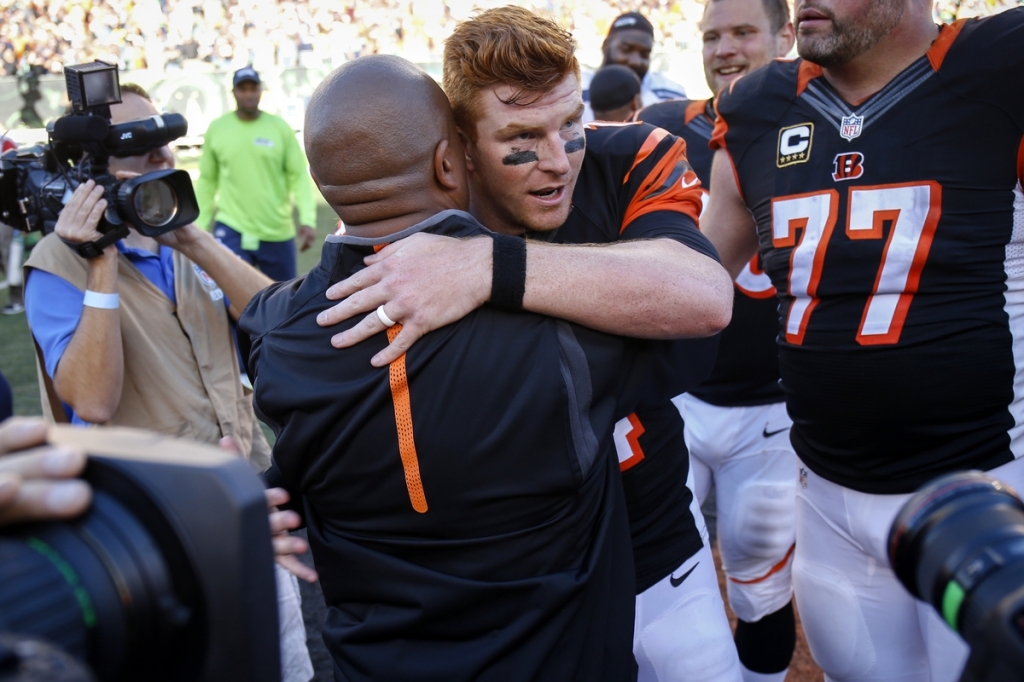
[{"x": 508, "y": 278}]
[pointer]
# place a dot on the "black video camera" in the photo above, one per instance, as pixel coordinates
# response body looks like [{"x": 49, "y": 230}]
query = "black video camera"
[
  {"x": 958, "y": 544},
  {"x": 36, "y": 182},
  {"x": 169, "y": 576}
]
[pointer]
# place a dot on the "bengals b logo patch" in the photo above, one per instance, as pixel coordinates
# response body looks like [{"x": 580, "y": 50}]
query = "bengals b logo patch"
[{"x": 849, "y": 166}]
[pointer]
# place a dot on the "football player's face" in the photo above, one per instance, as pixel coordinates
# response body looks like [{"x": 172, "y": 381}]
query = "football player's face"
[
  {"x": 630, "y": 47},
  {"x": 526, "y": 158},
  {"x": 738, "y": 39},
  {"x": 831, "y": 34}
]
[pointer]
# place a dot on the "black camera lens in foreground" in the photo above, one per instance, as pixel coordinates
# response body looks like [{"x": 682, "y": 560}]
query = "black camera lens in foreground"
[
  {"x": 167, "y": 578},
  {"x": 100, "y": 590},
  {"x": 157, "y": 202},
  {"x": 958, "y": 544}
]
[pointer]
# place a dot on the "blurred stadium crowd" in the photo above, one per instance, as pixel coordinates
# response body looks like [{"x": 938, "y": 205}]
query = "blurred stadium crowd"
[
  {"x": 228, "y": 34},
  {"x": 39, "y": 36}
]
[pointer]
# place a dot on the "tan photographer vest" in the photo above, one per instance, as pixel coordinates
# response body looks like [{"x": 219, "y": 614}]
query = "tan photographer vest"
[{"x": 181, "y": 374}]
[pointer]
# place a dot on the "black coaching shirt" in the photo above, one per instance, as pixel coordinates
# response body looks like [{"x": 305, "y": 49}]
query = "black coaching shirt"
[
  {"x": 635, "y": 183},
  {"x": 747, "y": 369},
  {"x": 463, "y": 505},
  {"x": 894, "y": 232}
]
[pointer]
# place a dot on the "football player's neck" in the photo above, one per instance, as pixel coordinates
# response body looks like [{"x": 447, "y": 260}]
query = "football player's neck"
[
  {"x": 383, "y": 216},
  {"x": 490, "y": 217},
  {"x": 871, "y": 71},
  {"x": 389, "y": 226}
]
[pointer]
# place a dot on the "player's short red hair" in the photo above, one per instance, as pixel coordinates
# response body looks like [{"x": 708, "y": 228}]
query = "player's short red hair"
[{"x": 508, "y": 45}]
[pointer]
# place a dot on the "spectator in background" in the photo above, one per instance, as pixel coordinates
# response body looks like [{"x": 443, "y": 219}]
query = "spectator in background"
[
  {"x": 251, "y": 169},
  {"x": 615, "y": 93},
  {"x": 8, "y": 60},
  {"x": 629, "y": 43}
]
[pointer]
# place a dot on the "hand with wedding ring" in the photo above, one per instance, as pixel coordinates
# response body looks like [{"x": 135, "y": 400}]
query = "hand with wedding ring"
[
  {"x": 426, "y": 281},
  {"x": 383, "y": 317}
]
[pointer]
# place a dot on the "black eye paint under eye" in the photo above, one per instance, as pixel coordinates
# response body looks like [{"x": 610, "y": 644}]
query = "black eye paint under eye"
[
  {"x": 576, "y": 144},
  {"x": 517, "y": 158}
]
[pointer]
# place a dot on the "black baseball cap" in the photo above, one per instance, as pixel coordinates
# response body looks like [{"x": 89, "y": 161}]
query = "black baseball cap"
[
  {"x": 632, "y": 20},
  {"x": 613, "y": 86},
  {"x": 245, "y": 74}
]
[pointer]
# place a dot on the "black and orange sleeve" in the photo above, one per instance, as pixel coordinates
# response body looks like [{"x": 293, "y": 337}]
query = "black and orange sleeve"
[
  {"x": 661, "y": 196},
  {"x": 661, "y": 179}
]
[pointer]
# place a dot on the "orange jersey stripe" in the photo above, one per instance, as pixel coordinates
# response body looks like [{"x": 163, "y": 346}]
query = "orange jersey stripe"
[
  {"x": 649, "y": 145},
  {"x": 403, "y": 420},
  {"x": 660, "y": 192},
  {"x": 938, "y": 50},
  {"x": 774, "y": 569},
  {"x": 694, "y": 109},
  {"x": 806, "y": 72}
]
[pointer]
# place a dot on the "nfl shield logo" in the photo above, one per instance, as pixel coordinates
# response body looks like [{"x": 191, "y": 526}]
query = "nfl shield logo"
[
  {"x": 203, "y": 277},
  {"x": 851, "y": 126}
]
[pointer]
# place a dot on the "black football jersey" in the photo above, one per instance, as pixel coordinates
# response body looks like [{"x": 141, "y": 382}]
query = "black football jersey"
[
  {"x": 894, "y": 233},
  {"x": 747, "y": 369},
  {"x": 636, "y": 183},
  {"x": 464, "y": 504}
]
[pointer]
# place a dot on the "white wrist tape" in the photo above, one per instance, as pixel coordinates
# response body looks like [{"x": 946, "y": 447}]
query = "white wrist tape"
[{"x": 95, "y": 299}]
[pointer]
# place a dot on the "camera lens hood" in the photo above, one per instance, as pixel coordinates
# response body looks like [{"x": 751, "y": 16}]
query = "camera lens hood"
[{"x": 157, "y": 202}]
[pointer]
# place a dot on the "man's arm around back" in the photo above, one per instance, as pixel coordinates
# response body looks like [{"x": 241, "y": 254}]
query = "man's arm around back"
[{"x": 656, "y": 288}]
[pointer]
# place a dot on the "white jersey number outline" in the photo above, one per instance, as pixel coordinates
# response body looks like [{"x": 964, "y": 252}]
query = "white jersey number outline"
[{"x": 913, "y": 210}]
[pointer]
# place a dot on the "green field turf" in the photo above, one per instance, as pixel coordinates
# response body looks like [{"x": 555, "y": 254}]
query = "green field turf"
[{"x": 17, "y": 356}]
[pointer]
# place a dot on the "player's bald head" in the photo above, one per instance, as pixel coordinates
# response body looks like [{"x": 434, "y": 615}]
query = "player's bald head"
[{"x": 372, "y": 129}]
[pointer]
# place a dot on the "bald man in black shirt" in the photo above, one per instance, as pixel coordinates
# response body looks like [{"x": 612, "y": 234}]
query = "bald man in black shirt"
[{"x": 464, "y": 505}]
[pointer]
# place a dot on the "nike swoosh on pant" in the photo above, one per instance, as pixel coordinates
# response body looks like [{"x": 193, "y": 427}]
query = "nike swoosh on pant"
[{"x": 676, "y": 582}]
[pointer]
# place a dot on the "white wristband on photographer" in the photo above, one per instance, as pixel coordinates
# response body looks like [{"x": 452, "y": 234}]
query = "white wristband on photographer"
[{"x": 94, "y": 299}]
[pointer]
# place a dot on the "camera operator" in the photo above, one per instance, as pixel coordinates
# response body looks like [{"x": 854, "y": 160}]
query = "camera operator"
[{"x": 140, "y": 336}]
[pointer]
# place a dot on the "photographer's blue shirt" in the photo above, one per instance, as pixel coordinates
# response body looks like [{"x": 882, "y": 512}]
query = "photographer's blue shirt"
[{"x": 54, "y": 305}]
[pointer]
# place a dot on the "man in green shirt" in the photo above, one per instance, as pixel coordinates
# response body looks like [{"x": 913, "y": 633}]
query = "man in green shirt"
[{"x": 251, "y": 169}]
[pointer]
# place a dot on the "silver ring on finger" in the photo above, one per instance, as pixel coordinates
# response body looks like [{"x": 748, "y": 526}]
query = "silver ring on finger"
[{"x": 383, "y": 317}]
